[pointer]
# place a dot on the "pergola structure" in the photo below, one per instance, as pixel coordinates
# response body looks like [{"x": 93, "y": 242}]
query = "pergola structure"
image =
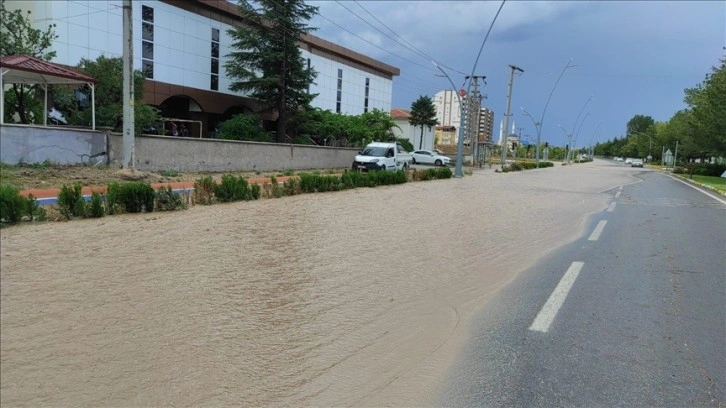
[{"x": 24, "y": 69}]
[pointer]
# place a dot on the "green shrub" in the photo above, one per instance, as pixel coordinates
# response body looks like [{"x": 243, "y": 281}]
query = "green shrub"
[
  {"x": 232, "y": 188},
  {"x": 707, "y": 169},
  {"x": 291, "y": 186},
  {"x": 132, "y": 197},
  {"x": 204, "y": 190},
  {"x": 307, "y": 182},
  {"x": 277, "y": 191},
  {"x": 33, "y": 210},
  {"x": 288, "y": 172},
  {"x": 444, "y": 173},
  {"x": 244, "y": 127},
  {"x": 168, "y": 200},
  {"x": 169, "y": 173},
  {"x": 70, "y": 201},
  {"x": 94, "y": 208},
  {"x": 255, "y": 191},
  {"x": 12, "y": 205}
]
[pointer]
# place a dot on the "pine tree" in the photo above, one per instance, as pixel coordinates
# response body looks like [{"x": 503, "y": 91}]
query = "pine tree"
[
  {"x": 423, "y": 113},
  {"x": 267, "y": 64}
]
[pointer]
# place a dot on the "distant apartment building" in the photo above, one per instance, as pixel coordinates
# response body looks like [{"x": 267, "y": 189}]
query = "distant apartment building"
[
  {"x": 182, "y": 45},
  {"x": 448, "y": 111},
  {"x": 486, "y": 125}
]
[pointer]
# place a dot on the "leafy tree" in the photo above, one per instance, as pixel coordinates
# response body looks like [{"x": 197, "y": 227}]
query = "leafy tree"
[
  {"x": 17, "y": 36},
  {"x": 708, "y": 108},
  {"x": 109, "y": 97},
  {"x": 423, "y": 113},
  {"x": 267, "y": 63},
  {"x": 243, "y": 127},
  {"x": 639, "y": 124},
  {"x": 381, "y": 125}
]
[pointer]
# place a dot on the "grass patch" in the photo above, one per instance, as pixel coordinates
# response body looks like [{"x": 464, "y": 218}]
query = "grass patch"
[{"x": 718, "y": 183}]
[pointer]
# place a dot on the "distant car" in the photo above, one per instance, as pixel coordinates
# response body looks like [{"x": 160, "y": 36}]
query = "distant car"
[
  {"x": 618, "y": 159},
  {"x": 636, "y": 163},
  {"x": 429, "y": 157},
  {"x": 629, "y": 160}
]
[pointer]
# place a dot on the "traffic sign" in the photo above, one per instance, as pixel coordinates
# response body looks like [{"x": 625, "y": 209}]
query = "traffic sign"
[{"x": 462, "y": 92}]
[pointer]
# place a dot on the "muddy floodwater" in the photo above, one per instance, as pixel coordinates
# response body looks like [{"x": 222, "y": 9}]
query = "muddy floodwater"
[{"x": 354, "y": 298}]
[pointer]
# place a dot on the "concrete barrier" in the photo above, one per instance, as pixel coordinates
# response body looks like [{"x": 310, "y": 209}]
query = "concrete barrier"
[
  {"x": 160, "y": 153},
  {"x": 37, "y": 144}
]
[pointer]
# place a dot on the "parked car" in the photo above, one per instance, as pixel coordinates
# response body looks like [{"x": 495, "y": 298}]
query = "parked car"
[
  {"x": 629, "y": 160},
  {"x": 429, "y": 157},
  {"x": 636, "y": 163},
  {"x": 382, "y": 156}
]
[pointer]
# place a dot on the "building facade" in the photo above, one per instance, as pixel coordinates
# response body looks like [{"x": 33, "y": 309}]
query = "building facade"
[
  {"x": 486, "y": 125},
  {"x": 448, "y": 110},
  {"x": 181, "y": 45}
]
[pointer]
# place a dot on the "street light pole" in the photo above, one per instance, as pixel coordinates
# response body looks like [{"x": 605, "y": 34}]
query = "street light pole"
[
  {"x": 574, "y": 142},
  {"x": 538, "y": 124},
  {"x": 507, "y": 114},
  {"x": 460, "y": 141},
  {"x": 569, "y": 141}
]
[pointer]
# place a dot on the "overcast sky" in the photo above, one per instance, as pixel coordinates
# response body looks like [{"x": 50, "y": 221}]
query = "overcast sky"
[{"x": 631, "y": 57}]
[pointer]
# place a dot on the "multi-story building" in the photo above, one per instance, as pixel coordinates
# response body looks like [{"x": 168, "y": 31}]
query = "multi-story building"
[
  {"x": 182, "y": 46},
  {"x": 448, "y": 111},
  {"x": 486, "y": 125}
]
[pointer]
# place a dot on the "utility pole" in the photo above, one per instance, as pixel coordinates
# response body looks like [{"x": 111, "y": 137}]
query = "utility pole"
[
  {"x": 128, "y": 87},
  {"x": 474, "y": 109},
  {"x": 507, "y": 113}
]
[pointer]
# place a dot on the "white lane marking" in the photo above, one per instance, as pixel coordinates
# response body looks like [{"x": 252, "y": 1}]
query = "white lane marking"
[
  {"x": 620, "y": 188},
  {"x": 597, "y": 231},
  {"x": 611, "y": 207},
  {"x": 617, "y": 195},
  {"x": 698, "y": 189},
  {"x": 549, "y": 311}
]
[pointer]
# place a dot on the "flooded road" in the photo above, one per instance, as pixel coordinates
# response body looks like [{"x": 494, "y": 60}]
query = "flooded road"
[{"x": 354, "y": 298}]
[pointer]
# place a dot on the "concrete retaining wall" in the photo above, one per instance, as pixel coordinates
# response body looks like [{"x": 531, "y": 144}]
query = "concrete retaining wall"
[
  {"x": 33, "y": 144},
  {"x": 160, "y": 153}
]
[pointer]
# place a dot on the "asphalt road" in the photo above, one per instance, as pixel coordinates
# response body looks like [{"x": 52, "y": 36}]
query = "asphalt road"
[{"x": 631, "y": 314}]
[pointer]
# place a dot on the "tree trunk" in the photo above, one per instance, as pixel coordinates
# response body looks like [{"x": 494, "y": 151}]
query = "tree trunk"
[{"x": 420, "y": 141}]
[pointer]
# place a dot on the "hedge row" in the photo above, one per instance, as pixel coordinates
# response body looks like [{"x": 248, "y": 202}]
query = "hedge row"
[
  {"x": 136, "y": 197},
  {"x": 519, "y": 166}
]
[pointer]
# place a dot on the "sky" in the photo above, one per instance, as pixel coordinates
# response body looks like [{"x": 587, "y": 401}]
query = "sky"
[{"x": 627, "y": 57}]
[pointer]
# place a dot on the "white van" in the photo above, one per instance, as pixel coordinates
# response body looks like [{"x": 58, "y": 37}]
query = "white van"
[{"x": 382, "y": 156}]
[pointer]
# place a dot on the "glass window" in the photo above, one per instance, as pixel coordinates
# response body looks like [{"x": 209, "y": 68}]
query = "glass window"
[
  {"x": 340, "y": 84},
  {"x": 337, "y": 107},
  {"x": 147, "y": 50},
  {"x": 215, "y": 34},
  {"x": 215, "y": 66},
  {"x": 340, "y": 73},
  {"x": 214, "y": 83},
  {"x": 215, "y": 49},
  {"x": 147, "y": 31},
  {"x": 147, "y": 14},
  {"x": 148, "y": 68},
  {"x": 340, "y": 95}
]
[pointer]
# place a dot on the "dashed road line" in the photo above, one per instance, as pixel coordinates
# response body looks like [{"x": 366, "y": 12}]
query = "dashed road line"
[
  {"x": 611, "y": 207},
  {"x": 547, "y": 315},
  {"x": 597, "y": 231},
  {"x": 617, "y": 195}
]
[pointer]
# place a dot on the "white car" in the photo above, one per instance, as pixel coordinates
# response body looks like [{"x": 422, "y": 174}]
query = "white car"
[{"x": 429, "y": 157}]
